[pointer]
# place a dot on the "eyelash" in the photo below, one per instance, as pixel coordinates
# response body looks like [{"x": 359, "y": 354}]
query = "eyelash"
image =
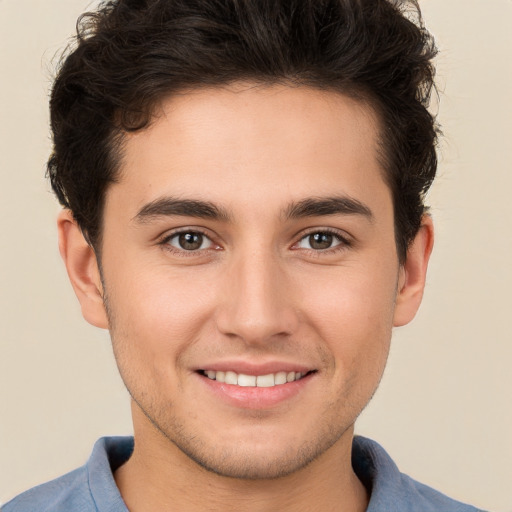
[
  {"x": 343, "y": 244},
  {"x": 164, "y": 242}
]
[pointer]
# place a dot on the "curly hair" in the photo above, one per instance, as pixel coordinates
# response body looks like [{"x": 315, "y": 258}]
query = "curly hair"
[{"x": 131, "y": 54}]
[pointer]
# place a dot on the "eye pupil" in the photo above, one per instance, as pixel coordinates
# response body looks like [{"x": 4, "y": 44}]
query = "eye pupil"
[
  {"x": 320, "y": 240},
  {"x": 190, "y": 241}
]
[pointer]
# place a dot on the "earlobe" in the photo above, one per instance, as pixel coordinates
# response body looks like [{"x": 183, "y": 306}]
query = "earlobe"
[
  {"x": 413, "y": 274},
  {"x": 83, "y": 271}
]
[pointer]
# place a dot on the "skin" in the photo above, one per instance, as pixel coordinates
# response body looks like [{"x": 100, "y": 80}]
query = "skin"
[{"x": 258, "y": 294}]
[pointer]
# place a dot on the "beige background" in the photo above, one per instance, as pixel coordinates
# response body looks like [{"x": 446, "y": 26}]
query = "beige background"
[{"x": 444, "y": 410}]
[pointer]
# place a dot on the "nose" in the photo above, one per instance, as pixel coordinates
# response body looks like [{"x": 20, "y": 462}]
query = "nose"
[{"x": 257, "y": 303}]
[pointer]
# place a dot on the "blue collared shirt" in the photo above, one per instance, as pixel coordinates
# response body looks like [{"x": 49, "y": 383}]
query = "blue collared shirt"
[{"x": 92, "y": 488}]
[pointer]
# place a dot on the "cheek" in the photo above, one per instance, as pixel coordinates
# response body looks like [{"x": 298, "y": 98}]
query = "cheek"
[
  {"x": 352, "y": 312},
  {"x": 156, "y": 316}
]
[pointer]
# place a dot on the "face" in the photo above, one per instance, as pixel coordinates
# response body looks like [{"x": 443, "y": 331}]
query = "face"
[{"x": 251, "y": 275}]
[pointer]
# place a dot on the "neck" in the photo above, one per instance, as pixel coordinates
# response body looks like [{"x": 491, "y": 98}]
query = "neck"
[{"x": 158, "y": 476}]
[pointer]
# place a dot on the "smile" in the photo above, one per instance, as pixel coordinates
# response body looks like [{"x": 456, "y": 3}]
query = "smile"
[{"x": 260, "y": 381}]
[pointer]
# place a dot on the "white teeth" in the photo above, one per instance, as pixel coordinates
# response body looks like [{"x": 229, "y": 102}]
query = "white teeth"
[
  {"x": 280, "y": 378},
  {"x": 261, "y": 381},
  {"x": 246, "y": 380},
  {"x": 231, "y": 378},
  {"x": 265, "y": 381}
]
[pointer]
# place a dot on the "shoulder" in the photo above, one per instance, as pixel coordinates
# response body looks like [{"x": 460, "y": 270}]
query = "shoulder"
[
  {"x": 90, "y": 488},
  {"x": 434, "y": 499},
  {"x": 68, "y": 492},
  {"x": 392, "y": 490}
]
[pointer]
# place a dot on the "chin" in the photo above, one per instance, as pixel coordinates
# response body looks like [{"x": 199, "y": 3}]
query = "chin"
[
  {"x": 248, "y": 459},
  {"x": 234, "y": 463}
]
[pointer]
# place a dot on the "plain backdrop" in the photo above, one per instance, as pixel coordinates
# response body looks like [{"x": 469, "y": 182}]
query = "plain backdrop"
[{"x": 444, "y": 409}]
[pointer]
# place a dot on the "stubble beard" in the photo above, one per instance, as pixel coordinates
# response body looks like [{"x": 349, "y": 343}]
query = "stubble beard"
[
  {"x": 233, "y": 461},
  {"x": 239, "y": 459}
]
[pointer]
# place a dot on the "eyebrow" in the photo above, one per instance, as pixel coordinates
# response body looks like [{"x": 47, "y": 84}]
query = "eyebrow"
[
  {"x": 309, "y": 207},
  {"x": 170, "y": 206},
  {"x": 313, "y": 207}
]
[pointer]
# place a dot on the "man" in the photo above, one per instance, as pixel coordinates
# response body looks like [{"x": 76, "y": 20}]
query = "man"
[{"x": 243, "y": 187}]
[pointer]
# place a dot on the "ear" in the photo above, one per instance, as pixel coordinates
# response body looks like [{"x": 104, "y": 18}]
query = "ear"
[
  {"x": 83, "y": 271},
  {"x": 413, "y": 274}
]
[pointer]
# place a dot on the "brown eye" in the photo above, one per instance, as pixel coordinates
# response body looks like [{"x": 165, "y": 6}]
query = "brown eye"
[
  {"x": 189, "y": 241},
  {"x": 320, "y": 241}
]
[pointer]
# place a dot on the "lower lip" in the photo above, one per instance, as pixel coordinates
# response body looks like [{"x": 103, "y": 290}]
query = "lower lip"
[{"x": 252, "y": 397}]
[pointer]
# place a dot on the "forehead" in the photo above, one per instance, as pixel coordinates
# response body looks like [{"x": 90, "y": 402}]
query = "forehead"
[{"x": 268, "y": 143}]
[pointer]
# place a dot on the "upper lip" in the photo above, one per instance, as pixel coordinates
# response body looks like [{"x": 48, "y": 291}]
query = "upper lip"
[{"x": 253, "y": 368}]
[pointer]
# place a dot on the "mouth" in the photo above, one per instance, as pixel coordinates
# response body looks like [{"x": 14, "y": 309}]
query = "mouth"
[{"x": 256, "y": 381}]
